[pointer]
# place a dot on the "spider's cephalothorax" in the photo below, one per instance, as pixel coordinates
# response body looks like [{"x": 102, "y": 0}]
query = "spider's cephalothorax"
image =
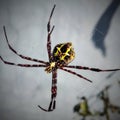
[{"x": 62, "y": 55}]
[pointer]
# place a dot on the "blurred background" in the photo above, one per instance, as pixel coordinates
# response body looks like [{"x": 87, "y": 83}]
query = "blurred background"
[{"x": 93, "y": 26}]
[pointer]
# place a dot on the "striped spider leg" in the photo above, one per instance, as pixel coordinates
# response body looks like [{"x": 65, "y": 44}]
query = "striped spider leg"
[
  {"x": 44, "y": 64},
  {"x": 91, "y": 69},
  {"x": 14, "y": 51},
  {"x": 49, "y": 30},
  {"x": 52, "y": 104}
]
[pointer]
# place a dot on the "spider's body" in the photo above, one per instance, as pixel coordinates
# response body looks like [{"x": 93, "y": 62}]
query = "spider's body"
[
  {"x": 61, "y": 56},
  {"x": 63, "y": 53}
]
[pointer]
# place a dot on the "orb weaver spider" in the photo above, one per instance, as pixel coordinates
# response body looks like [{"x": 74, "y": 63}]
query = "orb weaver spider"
[{"x": 61, "y": 56}]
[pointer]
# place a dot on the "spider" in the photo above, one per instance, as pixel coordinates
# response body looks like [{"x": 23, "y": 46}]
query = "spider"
[{"x": 61, "y": 56}]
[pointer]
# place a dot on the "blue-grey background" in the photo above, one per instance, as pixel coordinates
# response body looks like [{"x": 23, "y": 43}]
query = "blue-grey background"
[{"x": 93, "y": 26}]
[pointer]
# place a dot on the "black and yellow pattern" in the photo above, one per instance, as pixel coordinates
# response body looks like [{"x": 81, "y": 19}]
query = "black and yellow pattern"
[{"x": 63, "y": 53}]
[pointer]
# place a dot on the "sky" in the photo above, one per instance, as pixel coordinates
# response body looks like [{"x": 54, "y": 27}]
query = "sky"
[{"x": 93, "y": 27}]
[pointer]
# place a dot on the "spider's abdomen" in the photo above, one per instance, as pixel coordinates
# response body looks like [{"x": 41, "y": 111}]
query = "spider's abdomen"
[{"x": 63, "y": 53}]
